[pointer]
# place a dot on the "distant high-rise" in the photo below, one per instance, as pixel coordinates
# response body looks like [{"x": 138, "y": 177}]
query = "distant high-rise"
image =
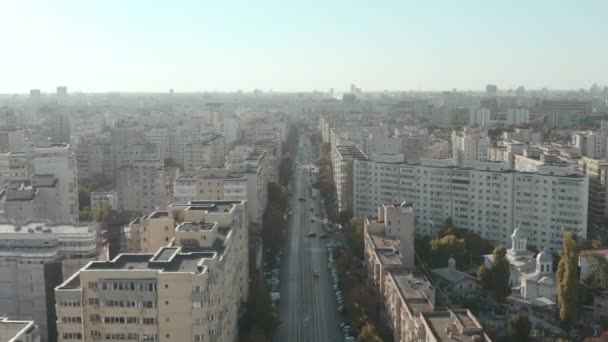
[
  {"x": 62, "y": 91},
  {"x": 35, "y": 93},
  {"x": 521, "y": 91},
  {"x": 491, "y": 90}
]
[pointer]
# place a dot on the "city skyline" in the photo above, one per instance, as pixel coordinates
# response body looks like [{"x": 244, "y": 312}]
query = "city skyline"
[{"x": 111, "y": 46}]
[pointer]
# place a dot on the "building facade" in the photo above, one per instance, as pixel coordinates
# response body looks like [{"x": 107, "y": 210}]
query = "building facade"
[{"x": 189, "y": 290}]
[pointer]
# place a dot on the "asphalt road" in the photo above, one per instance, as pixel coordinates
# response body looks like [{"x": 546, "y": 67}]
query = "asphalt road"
[{"x": 308, "y": 307}]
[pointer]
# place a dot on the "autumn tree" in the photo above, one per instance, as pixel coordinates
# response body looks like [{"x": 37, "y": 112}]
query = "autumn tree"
[
  {"x": 500, "y": 274},
  {"x": 259, "y": 314},
  {"x": 368, "y": 334},
  {"x": 445, "y": 248},
  {"x": 567, "y": 289}
]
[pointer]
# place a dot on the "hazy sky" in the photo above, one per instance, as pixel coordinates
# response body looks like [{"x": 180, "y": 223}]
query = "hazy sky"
[{"x": 127, "y": 45}]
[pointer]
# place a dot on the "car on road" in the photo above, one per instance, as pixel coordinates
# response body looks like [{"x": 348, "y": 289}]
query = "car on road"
[
  {"x": 323, "y": 236},
  {"x": 315, "y": 274},
  {"x": 301, "y": 199},
  {"x": 311, "y": 234}
]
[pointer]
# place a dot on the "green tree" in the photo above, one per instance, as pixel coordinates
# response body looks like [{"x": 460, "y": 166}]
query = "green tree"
[
  {"x": 500, "y": 274},
  {"x": 285, "y": 170},
  {"x": 519, "y": 328},
  {"x": 85, "y": 214},
  {"x": 277, "y": 194},
  {"x": 485, "y": 277},
  {"x": 445, "y": 248},
  {"x": 567, "y": 289},
  {"x": 102, "y": 212}
]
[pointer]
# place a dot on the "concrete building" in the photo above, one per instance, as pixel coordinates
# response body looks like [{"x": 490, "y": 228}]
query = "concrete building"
[
  {"x": 39, "y": 201},
  {"x": 59, "y": 161},
  {"x": 189, "y": 290},
  {"x": 185, "y": 189},
  {"x": 108, "y": 195},
  {"x": 517, "y": 116},
  {"x": 12, "y": 139},
  {"x": 489, "y": 199},
  {"x": 15, "y": 168},
  {"x": 36, "y": 257},
  {"x": 18, "y": 330},
  {"x": 408, "y": 295},
  {"x": 382, "y": 144},
  {"x": 479, "y": 117},
  {"x": 371, "y": 190},
  {"x": 470, "y": 145},
  {"x": 343, "y": 174},
  {"x": 142, "y": 186},
  {"x": 207, "y": 151},
  {"x": 597, "y": 172},
  {"x": 592, "y": 144},
  {"x": 151, "y": 232}
]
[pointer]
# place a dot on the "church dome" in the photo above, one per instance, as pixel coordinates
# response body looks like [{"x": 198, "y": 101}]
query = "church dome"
[{"x": 544, "y": 257}]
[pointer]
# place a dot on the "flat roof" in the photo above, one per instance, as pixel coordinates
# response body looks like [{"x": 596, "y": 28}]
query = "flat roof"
[
  {"x": 41, "y": 228},
  {"x": 454, "y": 325},
  {"x": 167, "y": 259},
  {"x": 12, "y": 328},
  {"x": 415, "y": 290}
]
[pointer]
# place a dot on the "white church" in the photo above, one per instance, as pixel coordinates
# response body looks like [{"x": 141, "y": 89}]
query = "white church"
[{"x": 532, "y": 279}]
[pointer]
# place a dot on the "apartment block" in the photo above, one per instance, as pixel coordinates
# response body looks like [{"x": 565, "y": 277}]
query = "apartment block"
[
  {"x": 376, "y": 181},
  {"x": 189, "y": 290},
  {"x": 597, "y": 172},
  {"x": 407, "y": 294},
  {"x": 59, "y": 161},
  {"x": 184, "y": 189},
  {"x": 142, "y": 186},
  {"x": 206, "y": 151},
  {"x": 517, "y": 116},
  {"x": 36, "y": 257},
  {"x": 470, "y": 145},
  {"x": 150, "y": 232},
  {"x": 489, "y": 199},
  {"x": 479, "y": 117},
  {"x": 343, "y": 174},
  {"x": 106, "y": 195},
  {"x": 18, "y": 330}
]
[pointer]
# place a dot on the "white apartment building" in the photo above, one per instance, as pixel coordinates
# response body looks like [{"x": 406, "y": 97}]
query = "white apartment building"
[
  {"x": 142, "y": 186},
  {"x": 189, "y": 290},
  {"x": 161, "y": 137},
  {"x": 185, "y": 189},
  {"x": 107, "y": 195},
  {"x": 479, "y": 117},
  {"x": 39, "y": 201},
  {"x": 525, "y": 135},
  {"x": 34, "y": 258},
  {"x": 12, "y": 139},
  {"x": 408, "y": 295},
  {"x": 517, "y": 116},
  {"x": 592, "y": 144},
  {"x": 343, "y": 174},
  {"x": 206, "y": 151},
  {"x": 470, "y": 145},
  {"x": 376, "y": 181},
  {"x": 59, "y": 161},
  {"x": 18, "y": 330},
  {"x": 597, "y": 172},
  {"x": 489, "y": 199},
  {"x": 231, "y": 128},
  {"x": 15, "y": 168},
  {"x": 382, "y": 144}
]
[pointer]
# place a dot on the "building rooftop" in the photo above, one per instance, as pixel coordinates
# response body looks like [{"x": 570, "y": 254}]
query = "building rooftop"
[
  {"x": 415, "y": 289},
  {"x": 167, "y": 259},
  {"x": 10, "y": 329},
  {"x": 104, "y": 190},
  {"x": 42, "y": 228},
  {"x": 454, "y": 325},
  {"x": 352, "y": 151},
  {"x": 21, "y": 194},
  {"x": 43, "y": 181},
  {"x": 195, "y": 226}
]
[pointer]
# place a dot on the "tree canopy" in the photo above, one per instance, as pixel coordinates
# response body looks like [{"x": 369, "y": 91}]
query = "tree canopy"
[
  {"x": 519, "y": 328},
  {"x": 446, "y": 247},
  {"x": 501, "y": 271},
  {"x": 567, "y": 289}
]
